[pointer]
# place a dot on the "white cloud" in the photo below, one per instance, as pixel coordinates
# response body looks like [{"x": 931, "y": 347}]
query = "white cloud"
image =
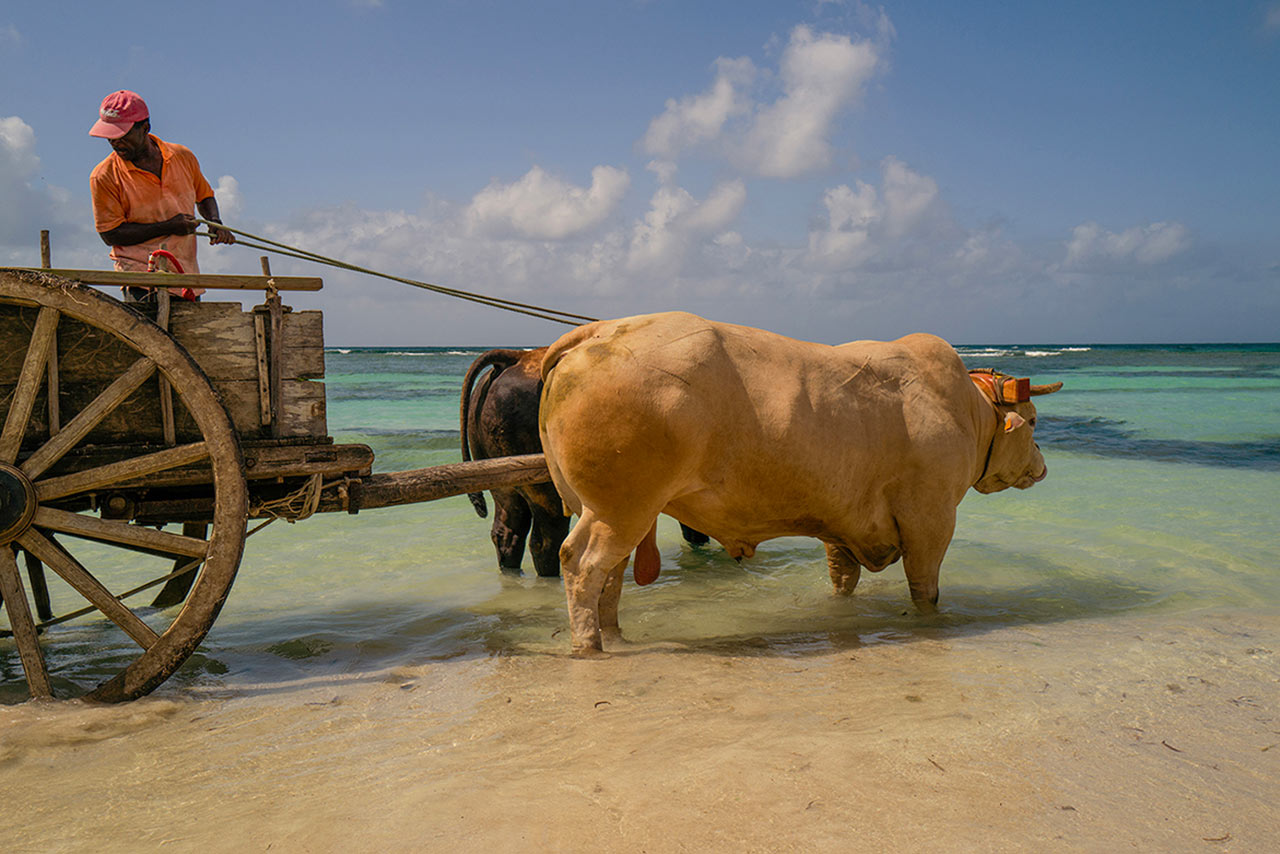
[
  {"x": 908, "y": 197},
  {"x": 846, "y": 241},
  {"x": 27, "y": 204},
  {"x": 227, "y": 193},
  {"x": 696, "y": 119},
  {"x": 1093, "y": 247},
  {"x": 821, "y": 75},
  {"x": 902, "y": 224},
  {"x": 543, "y": 206},
  {"x": 9, "y": 36},
  {"x": 17, "y": 148},
  {"x": 676, "y": 221}
]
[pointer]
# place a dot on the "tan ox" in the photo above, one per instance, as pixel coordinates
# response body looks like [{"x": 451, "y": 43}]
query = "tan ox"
[{"x": 747, "y": 435}]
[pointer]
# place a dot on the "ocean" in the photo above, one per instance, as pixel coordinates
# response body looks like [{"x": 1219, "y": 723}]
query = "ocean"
[{"x": 387, "y": 642}]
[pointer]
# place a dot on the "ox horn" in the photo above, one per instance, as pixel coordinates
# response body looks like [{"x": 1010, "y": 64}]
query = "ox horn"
[{"x": 1045, "y": 389}]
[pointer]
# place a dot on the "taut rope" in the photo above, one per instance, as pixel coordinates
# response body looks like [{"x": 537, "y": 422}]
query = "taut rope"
[{"x": 565, "y": 317}]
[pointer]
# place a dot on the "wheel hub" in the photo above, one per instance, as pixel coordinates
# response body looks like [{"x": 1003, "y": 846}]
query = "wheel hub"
[{"x": 17, "y": 503}]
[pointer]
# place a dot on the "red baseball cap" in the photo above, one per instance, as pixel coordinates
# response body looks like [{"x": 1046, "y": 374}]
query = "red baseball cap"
[{"x": 118, "y": 113}]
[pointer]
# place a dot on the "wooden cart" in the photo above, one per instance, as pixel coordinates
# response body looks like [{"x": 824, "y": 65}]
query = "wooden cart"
[{"x": 117, "y": 419}]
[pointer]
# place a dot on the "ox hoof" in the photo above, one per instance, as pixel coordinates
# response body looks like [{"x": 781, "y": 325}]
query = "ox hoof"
[
  {"x": 612, "y": 635},
  {"x": 926, "y": 607},
  {"x": 588, "y": 652}
]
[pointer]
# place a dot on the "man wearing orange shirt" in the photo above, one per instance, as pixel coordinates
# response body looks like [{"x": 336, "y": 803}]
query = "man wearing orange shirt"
[{"x": 145, "y": 190}]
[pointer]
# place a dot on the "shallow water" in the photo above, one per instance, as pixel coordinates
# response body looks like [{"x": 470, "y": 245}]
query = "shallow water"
[{"x": 378, "y": 668}]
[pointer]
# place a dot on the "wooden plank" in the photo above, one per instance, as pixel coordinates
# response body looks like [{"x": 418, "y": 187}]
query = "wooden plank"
[
  {"x": 222, "y": 339},
  {"x": 302, "y": 408},
  {"x": 183, "y": 280},
  {"x": 219, "y": 336},
  {"x": 98, "y": 466},
  {"x": 164, "y": 300},
  {"x": 270, "y": 461},
  {"x": 264, "y": 385},
  {"x": 137, "y": 418},
  {"x": 275, "y": 361}
]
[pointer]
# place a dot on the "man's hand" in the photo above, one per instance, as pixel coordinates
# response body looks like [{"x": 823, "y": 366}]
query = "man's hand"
[
  {"x": 220, "y": 235},
  {"x": 182, "y": 224},
  {"x": 209, "y": 211}
]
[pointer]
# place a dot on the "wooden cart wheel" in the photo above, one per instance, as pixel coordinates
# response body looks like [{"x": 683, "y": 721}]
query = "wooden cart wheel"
[{"x": 51, "y": 516}]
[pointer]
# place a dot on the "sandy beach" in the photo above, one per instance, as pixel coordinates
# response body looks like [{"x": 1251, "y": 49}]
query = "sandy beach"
[{"x": 1161, "y": 734}]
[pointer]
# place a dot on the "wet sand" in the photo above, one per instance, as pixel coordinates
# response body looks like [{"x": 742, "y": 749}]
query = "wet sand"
[{"x": 1157, "y": 733}]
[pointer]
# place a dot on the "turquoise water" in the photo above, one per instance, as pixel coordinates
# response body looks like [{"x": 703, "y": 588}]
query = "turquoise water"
[{"x": 1163, "y": 495}]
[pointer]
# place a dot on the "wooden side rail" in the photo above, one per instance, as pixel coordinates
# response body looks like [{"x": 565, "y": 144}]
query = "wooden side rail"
[{"x": 182, "y": 280}]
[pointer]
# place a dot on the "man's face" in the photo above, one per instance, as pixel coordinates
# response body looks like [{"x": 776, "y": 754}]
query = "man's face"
[{"x": 133, "y": 144}]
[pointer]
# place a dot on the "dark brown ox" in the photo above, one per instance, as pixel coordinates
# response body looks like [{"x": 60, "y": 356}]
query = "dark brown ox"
[
  {"x": 747, "y": 435},
  {"x": 499, "y": 417}
]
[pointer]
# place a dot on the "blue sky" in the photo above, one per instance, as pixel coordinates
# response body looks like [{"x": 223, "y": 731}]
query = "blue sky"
[{"x": 990, "y": 172}]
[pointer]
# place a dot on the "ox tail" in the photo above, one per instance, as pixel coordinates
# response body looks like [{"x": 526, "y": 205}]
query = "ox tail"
[
  {"x": 500, "y": 360},
  {"x": 648, "y": 562}
]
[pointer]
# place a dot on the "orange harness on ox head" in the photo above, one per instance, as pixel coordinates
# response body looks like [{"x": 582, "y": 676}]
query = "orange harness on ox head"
[{"x": 1001, "y": 388}]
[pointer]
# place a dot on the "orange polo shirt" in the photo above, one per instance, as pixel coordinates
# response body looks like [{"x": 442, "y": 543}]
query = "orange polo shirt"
[{"x": 122, "y": 192}]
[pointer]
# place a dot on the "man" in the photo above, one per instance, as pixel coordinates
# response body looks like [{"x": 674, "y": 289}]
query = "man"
[{"x": 145, "y": 190}]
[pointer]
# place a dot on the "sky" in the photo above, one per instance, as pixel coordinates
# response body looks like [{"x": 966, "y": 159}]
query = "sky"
[{"x": 991, "y": 172}]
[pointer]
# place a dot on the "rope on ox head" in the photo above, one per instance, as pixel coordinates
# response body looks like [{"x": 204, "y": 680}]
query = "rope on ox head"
[{"x": 268, "y": 245}]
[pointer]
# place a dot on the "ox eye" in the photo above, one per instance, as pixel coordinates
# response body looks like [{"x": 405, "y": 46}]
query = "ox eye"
[{"x": 1032, "y": 422}]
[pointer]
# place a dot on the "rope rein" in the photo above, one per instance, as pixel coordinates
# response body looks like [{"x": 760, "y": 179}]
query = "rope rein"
[{"x": 268, "y": 245}]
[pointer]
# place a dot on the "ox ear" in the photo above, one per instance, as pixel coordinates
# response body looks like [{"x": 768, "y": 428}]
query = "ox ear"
[{"x": 1012, "y": 421}]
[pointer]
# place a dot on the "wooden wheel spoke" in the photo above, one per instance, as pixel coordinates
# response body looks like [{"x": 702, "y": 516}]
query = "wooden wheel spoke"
[
  {"x": 89, "y": 417},
  {"x": 106, "y": 475},
  {"x": 24, "y": 628},
  {"x": 24, "y": 395},
  {"x": 120, "y": 533},
  {"x": 72, "y": 572}
]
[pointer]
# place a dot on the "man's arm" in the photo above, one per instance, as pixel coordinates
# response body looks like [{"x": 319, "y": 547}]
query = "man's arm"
[
  {"x": 209, "y": 210},
  {"x": 131, "y": 233}
]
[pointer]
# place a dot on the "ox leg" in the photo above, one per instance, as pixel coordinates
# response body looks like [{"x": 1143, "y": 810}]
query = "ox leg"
[
  {"x": 693, "y": 537},
  {"x": 590, "y": 555},
  {"x": 545, "y": 539},
  {"x": 922, "y": 558},
  {"x": 843, "y": 568},
  {"x": 609, "y": 599},
  {"x": 511, "y": 520}
]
